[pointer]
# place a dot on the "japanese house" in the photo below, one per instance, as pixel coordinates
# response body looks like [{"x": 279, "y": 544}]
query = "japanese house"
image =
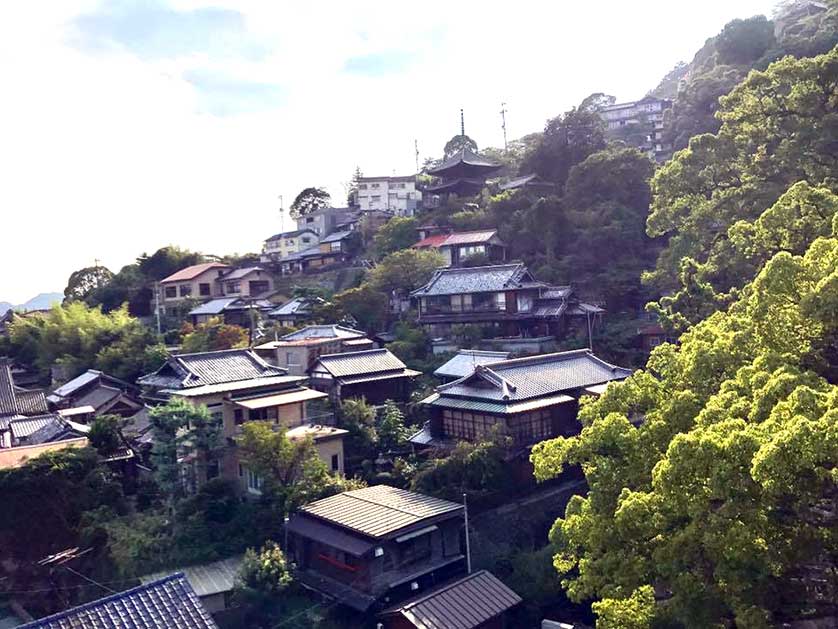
[
  {"x": 198, "y": 281},
  {"x": 333, "y": 250},
  {"x": 41, "y": 429},
  {"x": 239, "y": 311},
  {"x": 463, "y": 174},
  {"x": 298, "y": 351},
  {"x": 458, "y": 247},
  {"x": 379, "y": 543},
  {"x": 476, "y": 601},
  {"x": 295, "y": 311},
  {"x": 253, "y": 281},
  {"x": 162, "y": 604},
  {"x": 281, "y": 245},
  {"x": 237, "y": 386},
  {"x": 212, "y": 582},
  {"x": 101, "y": 392},
  {"x": 465, "y": 361},
  {"x": 504, "y": 300},
  {"x": 530, "y": 183},
  {"x": 16, "y": 404},
  {"x": 529, "y": 399},
  {"x": 375, "y": 374}
]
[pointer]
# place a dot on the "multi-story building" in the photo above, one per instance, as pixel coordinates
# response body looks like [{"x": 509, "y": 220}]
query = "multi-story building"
[
  {"x": 284, "y": 244},
  {"x": 398, "y": 195},
  {"x": 198, "y": 281},
  {"x": 237, "y": 386},
  {"x": 327, "y": 220},
  {"x": 640, "y": 124},
  {"x": 458, "y": 247},
  {"x": 298, "y": 351}
]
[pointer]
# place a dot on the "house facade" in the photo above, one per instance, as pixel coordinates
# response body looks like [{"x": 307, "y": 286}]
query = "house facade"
[
  {"x": 241, "y": 311},
  {"x": 248, "y": 282},
  {"x": 284, "y": 244},
  {"x": 326, "y": 220},
  {"x": 398, "y": 195},
  {"x": 332, "y": 250},
  {"x": 376, "y": 545},
  {"x": 298, "y": 351},
  {"x": 194, "y": 282},
  {"x": 376, "y": 374},
  {"x": 640, "y": 124},
  {"x": 458, "y": 247},
  {"x": 528, "y": 399},
  {"x": 99, "y": 391},
  {"x": 504, "y": 300},
  {"x": 237, "y": 386}
]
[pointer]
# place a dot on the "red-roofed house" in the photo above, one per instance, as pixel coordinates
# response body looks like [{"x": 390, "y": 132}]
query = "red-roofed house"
[
  {"x": 457, "y": 247},
  {"x": 194, "y": 282}
]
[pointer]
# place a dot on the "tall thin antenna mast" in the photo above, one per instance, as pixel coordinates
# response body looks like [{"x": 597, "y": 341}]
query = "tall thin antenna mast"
[
  {"x": 281, "y": 216},
  {"x": 416, "y": 149},
  {"x": 468, "y": 541},
  {"x": 462, "y": 122},
  {"x": 503, "y": 125}
]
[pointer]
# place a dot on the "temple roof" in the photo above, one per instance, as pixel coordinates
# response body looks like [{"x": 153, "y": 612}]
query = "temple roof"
[{"x": 465, "y": 164}]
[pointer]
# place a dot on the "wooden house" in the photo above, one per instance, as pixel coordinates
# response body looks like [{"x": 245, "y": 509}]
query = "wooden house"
[
  {"x": 458, "y": 247},
  {"x": 375, "y": 374},
  {"x": 105, "y": 394},
  {"x": 374, "y": 545},
  {"x": 298, "y": 351}
]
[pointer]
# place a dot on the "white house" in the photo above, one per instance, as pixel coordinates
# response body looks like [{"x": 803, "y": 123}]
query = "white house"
[{"x": 396, "y": 194}]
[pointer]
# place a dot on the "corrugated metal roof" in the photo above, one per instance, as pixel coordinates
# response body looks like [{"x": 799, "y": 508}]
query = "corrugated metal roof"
[
  {"x": 478, "y": 279},
  {"x": 280, "y": 399},
  {"x": 380, "y": 510},
  {"x": 337, "y": 236},
  {"x": 463, "y": 604},
  {"x": 469, "y": 238},
  {"x": 318, "y": 432},
  {"x": 298, "y": 305},
  {"x": 193, "y": 271},
  {"x": 214, "y": 307},
  {"x": 209, "y": 368},
  {"x": 23, "y": 428},
  {"x": 292, "y": 234},
  {"x": 68, "y": 388},
  {"x": 361, "y": 363},
  {"x": 524, "y": 378},
  {"x": 237, "y": 274},
  {"x": 323, "y": 332},
  {"x": 465, "y": 360},
  {"x": 206, "y": 579},
  {"x": 168, "y": 603}
]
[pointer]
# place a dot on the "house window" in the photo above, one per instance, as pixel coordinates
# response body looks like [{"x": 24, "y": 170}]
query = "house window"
[
  {"x": 335, "y": 246},
  {"x": 171, "y": 292},
  {"x": 238, "y": 416},
  {"x": 415, "y": 550},
  {"x": 204, "y": 290},
  {"x": 375, "y": 197},
  {"x": 309, "y": 219},
  {"x": 306, "y": 240},
  {"x": 376, "y": 185},
  {"x": 654, "y": 341},
  {"x": 258, "y": 287},
  {"x": 500, "y": 301},
  {"x": 264, "y": 414},
  {"x": 335, "y": 463},
  {"x": 234, "y": 287},
  {"x": 362, "y": 186},
  {"x": 465, "y": 425},
  {"x": 185, "y": 290},
  {"x": 253, "y": 481},
  {"x": 530, "y": 427}
]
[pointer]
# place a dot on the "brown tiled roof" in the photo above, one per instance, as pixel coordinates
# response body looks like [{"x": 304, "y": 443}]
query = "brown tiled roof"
[{"x": 193, "y": 271}]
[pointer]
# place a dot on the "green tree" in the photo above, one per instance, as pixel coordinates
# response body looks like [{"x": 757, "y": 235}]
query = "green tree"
[
  {"x": 405, "y": 270},
  {"x": 165, "y": 261},
  {"x": 266, "y": 572},
  {"x": 711, "y": 475},
  {"x": 567, "y": 140},
  {"x": 398, "y": 233},
  {"x": 213, "y": 335},
  {"x": 310, "y": 200},
  {"x": 367, "y": 305},
  {"x": 392, "y": 432},
  {"x": 457, "y": 144},
  {"x": 104, "y": 434},
  {"x": 85, "y": 281},
  {"x": 353, "y": 187},
  {"x": 358, "y": 417},
  {"x": 774, "y": 133}
]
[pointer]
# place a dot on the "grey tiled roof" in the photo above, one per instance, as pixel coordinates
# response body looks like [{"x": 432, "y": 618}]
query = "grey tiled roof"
[
  {"x": 464, "y": 362},
  {"x": 361, "y": 363},
  {"x": 8, "y": 399},
  {"x": 98, "y": 396},
  {"x": 168, "y": 603},
  {"x": 546, "y": 374},
  {"x": 380, "y": 511},
  {"x": 479, "y": 279},
  {"x": 237, "y": 274},
  {"x": 463, "y": 604},
  {"x": 205, "y": 368},
  {"x": 68, "y": 388},
  {"x": 298, "y": 305},
  {"x": 292, "y": 234},
  {"x": 467, "y": 157},
  {"x": 336, "y": 236},
  {"x": 31, "y": 402}
]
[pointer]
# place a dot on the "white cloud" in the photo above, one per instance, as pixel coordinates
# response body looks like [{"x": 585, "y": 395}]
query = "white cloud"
[{"x": 108, "y": 154}]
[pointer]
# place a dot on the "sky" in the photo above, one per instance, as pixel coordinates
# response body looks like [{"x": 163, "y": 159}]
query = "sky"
[{"x": 128, "y": 126}]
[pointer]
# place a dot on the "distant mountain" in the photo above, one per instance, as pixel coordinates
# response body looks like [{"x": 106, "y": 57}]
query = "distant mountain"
[{"x": 41, "y": 301}]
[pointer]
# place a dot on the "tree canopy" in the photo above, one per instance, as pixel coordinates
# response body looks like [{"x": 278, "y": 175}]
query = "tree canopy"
[
  {"x": 310, "y": 200},
  {"x": 85, "y": 281},
  {"x": 213, "y": 335}
]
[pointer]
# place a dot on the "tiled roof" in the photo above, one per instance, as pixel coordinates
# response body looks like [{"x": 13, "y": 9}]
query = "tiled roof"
[
  {"x": 31, "y": 402},
  {"x": 237, "y": 274},
  {"x": 46, "y": 428},
  {"x": 8, "y": 399},
  {"x": 361, "y": 363},
  {"x": 467, "y": 157},
  {"x": 298, "y": 305},
  {"x": 99, "y": 396},
  {"x": 193, "y": 271},
  {"x": 23, "y": 428},
  {"x": 168, "y": 603},
  {"x": 431, "y": 241},
  {"x": 380, "y": 510},
  {"x": 207, "y": 368},
  {"x": 524, "y": 378},
  {"x": 238, "y": 385},
  {"x": 465, "y": 360},
  {"x": 463, "y": 604},
  {"x": 323, "y": 332},
  {"x": 476, "y": 279},
  {"x": 68, "y": 388},
  {"x": 522, "y": 182},
  {"x": 457, "y": 238}
]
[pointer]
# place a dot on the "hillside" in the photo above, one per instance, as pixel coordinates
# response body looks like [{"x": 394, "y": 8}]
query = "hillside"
[{"x": 41, "y": 301}]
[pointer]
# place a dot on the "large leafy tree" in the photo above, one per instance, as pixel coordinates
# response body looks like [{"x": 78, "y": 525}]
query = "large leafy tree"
[
  {"x": 213, "y": 335},
  {"x": 398, "y": 233},
  {"x": 85, "y": 281},
  {"x": 405, "y": 270},
  {"x": 310, "y": 200},
  {"x": 778, "y": 127},
  {"x": 712, "y": 473},
  {"x": 166, "y": 261}
]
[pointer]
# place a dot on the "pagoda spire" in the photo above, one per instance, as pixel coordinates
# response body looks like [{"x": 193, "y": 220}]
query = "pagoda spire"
[{"x": 462, "y": 122}]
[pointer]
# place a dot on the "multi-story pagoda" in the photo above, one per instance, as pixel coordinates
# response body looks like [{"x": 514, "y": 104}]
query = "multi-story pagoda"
[{"x": 463, "y": 174}]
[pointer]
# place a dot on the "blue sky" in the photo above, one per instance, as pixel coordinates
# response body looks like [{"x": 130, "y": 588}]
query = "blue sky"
[{"x": 127, "y": 126}]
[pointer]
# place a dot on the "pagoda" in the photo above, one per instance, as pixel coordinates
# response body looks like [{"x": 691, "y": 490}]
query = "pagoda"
[{"x": 464, "y": 173}]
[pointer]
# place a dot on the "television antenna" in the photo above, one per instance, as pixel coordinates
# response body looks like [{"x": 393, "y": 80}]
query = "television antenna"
[{"x": 503, "y": 125}]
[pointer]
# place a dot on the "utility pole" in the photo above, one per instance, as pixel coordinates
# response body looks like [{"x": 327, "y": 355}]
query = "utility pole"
[
  {"x": 416, "y": 150},
  {"x": 281, "y": 216},
  {"x": 468, "y": 544},
  {"x": 157, "y": 305},
  {"x": 503, "y": 125}
]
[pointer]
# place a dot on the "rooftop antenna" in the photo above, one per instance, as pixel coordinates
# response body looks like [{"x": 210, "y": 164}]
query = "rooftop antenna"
[
  {"x": 503, "y": 125},
  {"x": 462, "y": 122},
  {"x": 281, "y": 216},
  {"x": 416, "y": 150}
]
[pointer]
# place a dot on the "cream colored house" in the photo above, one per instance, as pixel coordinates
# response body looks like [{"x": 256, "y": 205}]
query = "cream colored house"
[
  {"x": 237, "y": 386},
  {"x": 251, "y": 281},
  {"x": 194, "y": 282},
  {"x": 282, "y": 245}
]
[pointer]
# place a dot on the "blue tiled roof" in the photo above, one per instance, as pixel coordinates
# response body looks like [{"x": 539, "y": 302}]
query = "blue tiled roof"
[{"x": 167, "y": 603}]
